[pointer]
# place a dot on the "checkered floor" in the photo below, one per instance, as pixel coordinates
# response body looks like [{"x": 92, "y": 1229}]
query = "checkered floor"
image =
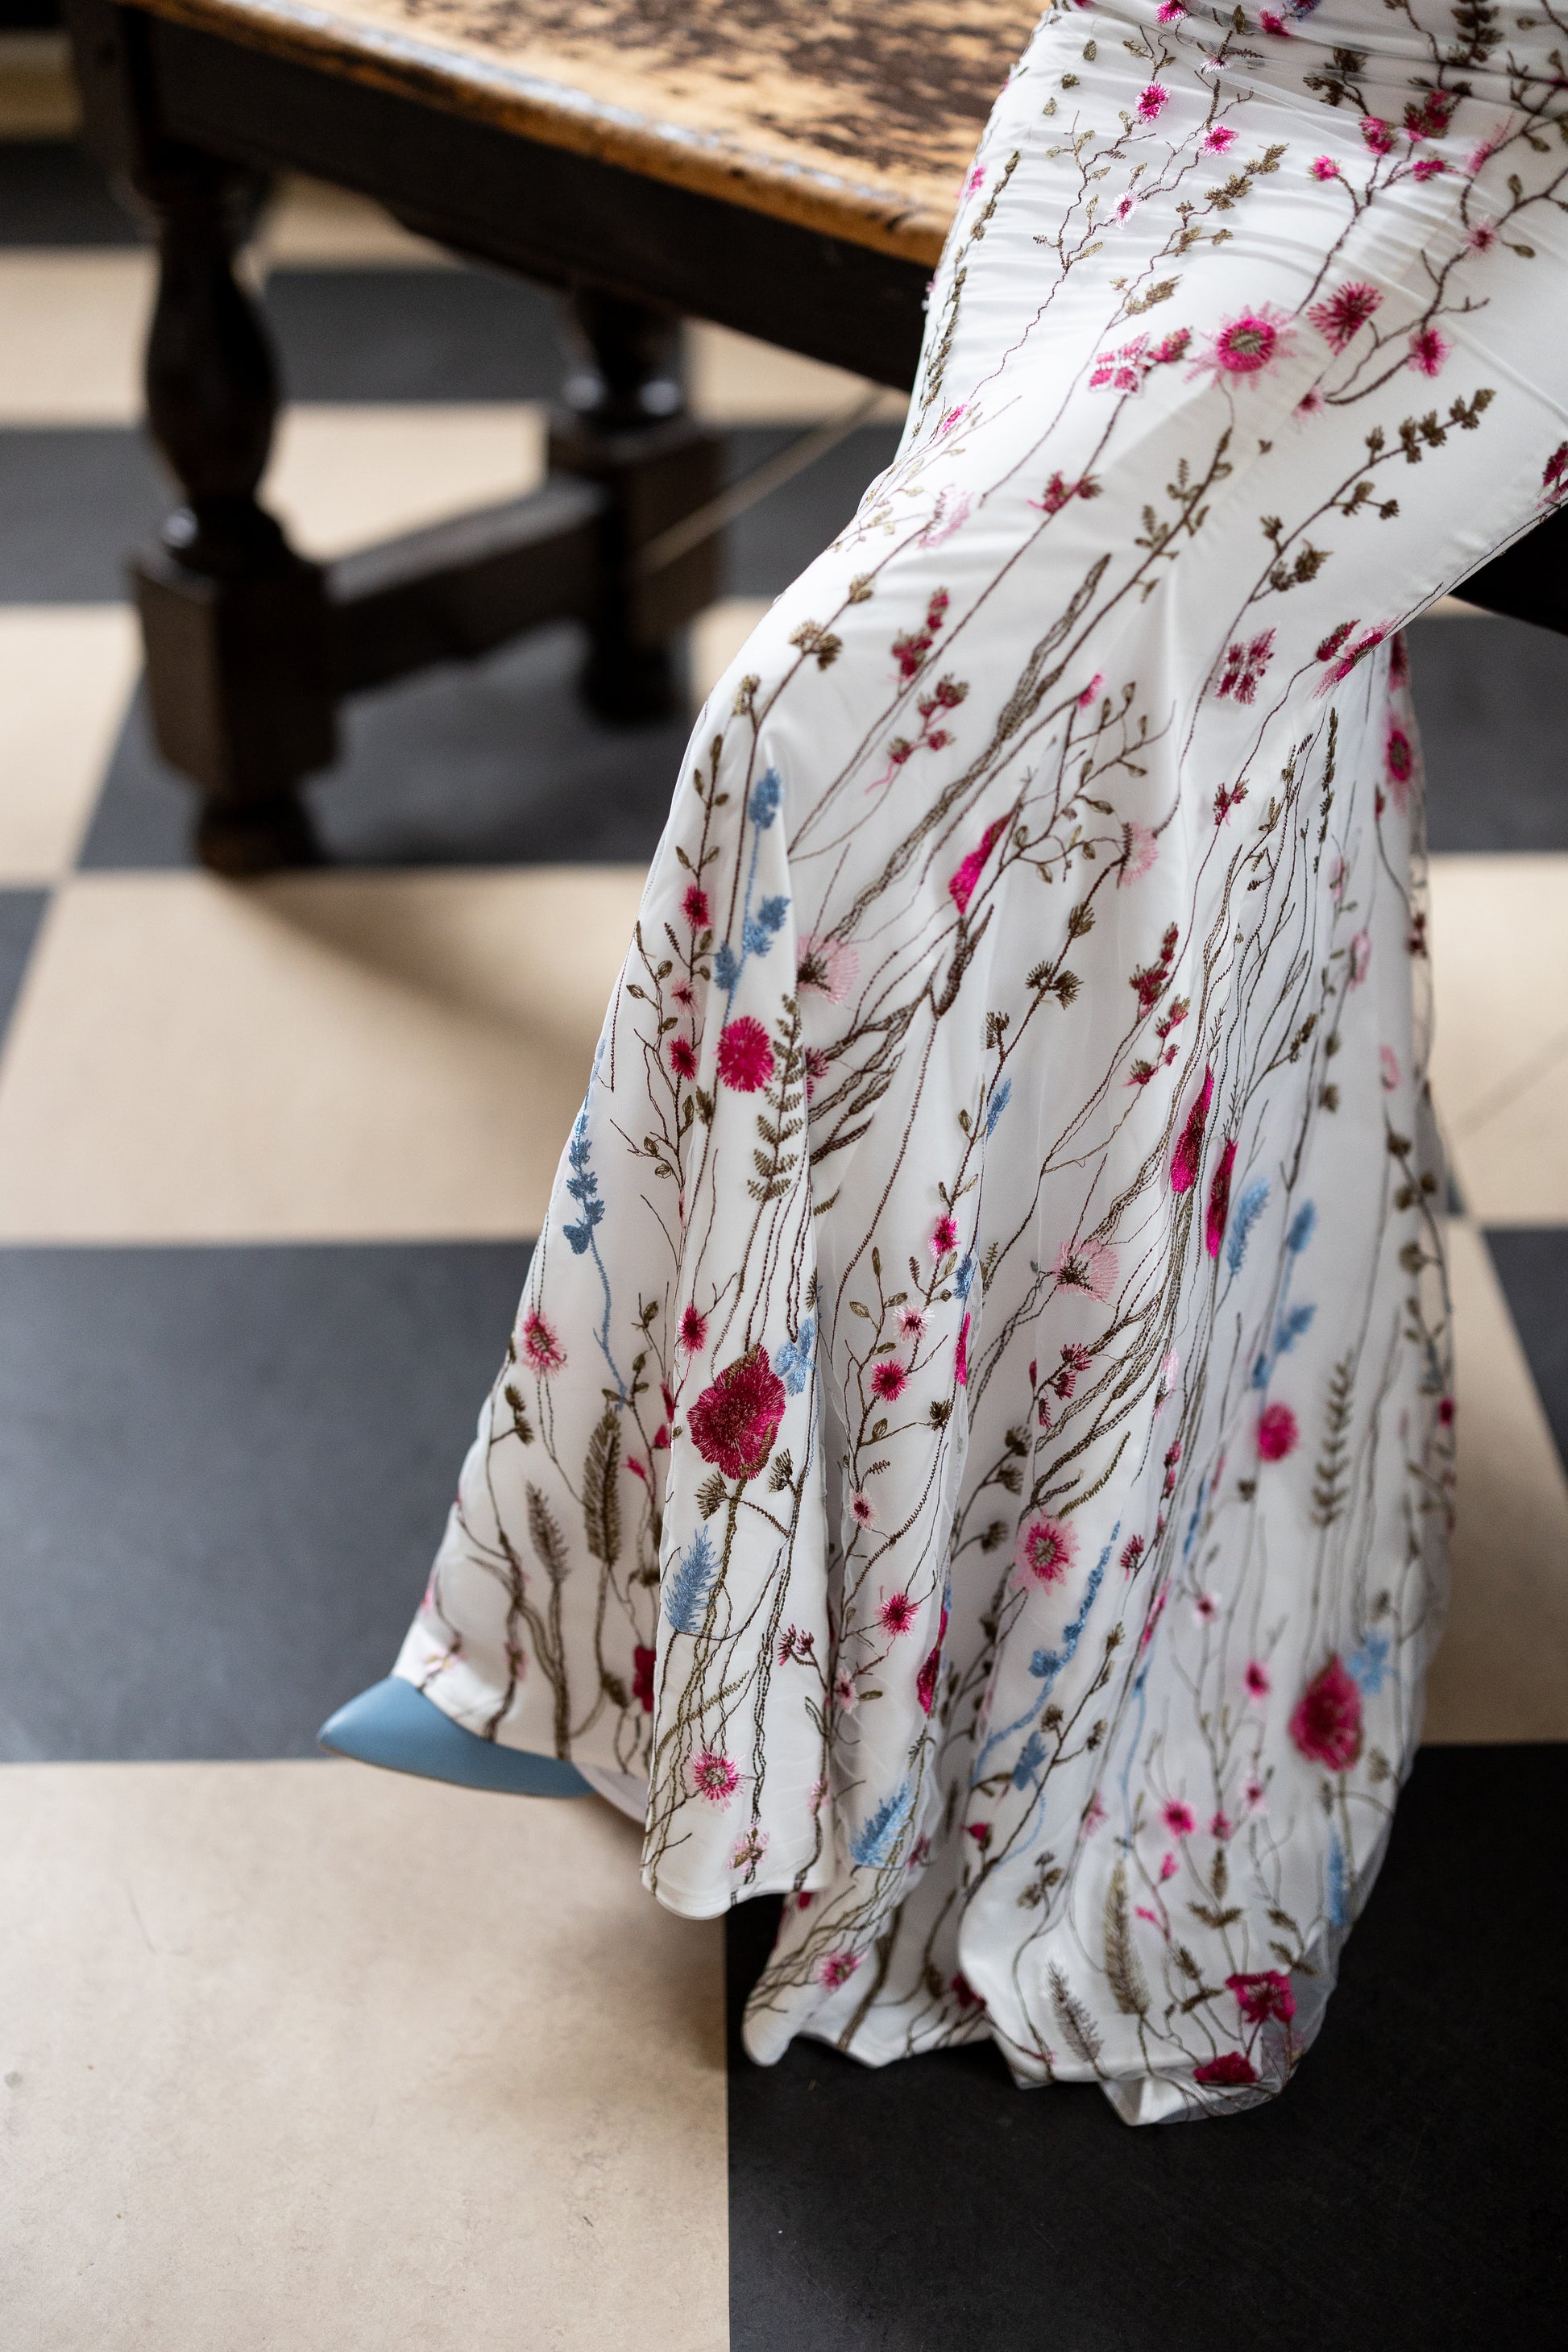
[{"x": 329, "y": 2058}]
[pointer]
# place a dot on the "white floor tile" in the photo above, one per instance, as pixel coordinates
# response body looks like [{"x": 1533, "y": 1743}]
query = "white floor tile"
[
  {"x": 1500, "y": 945},
  {"x": 308, "y": 2056},
  {"x": 75, "y": 324},
  {"x": 310, "y": 225},
  {"x": 1502, "y": 1671},
  {"x": 326, "y": 1057},
  {"x": 66, "y": 676},
  {"x": 342, "y": 476}
]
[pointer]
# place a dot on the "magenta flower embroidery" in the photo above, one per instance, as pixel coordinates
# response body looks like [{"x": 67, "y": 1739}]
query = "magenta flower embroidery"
[
  {"x": 1242, "y": 670},
  {"x": 1189, "y": 1146},
  {"x": 1218, "y": 139},
  {"x": 1231, "y": 2071},
  {"x": 541, "y": 1347},
  {"x": 1248, "y": 344},
  {"x": 1378, "y": 134},
  {"x": 1554, "y": 473},
  {"x": 713, "y": 1776},
  {"x": 1277, "y": 1433},
  {"x": 1218, "y": 1213},
  {"x": 1046, "y": 1548},
  {"x": 1263, "y": 1995},
  {"x": 1179, "y": 1818},
  {"x": 926, "y": 1680},
  {"x": 1140, "y": 848},
  {"x": 693, "y": 1328},
  {"x": 1256, "y": 1679},
  {"x": 897, "y": 1615},
  {"x": 961, "y": 1355},
  {"x": 1399, "y": 765},
  {"x": 1326, "y": 1723},
  {"x": 889, "y": 1380},
  {"x": 1323, "y": 167},
  {"x": 745, "y": 1054},
  {"x": 1429, "y": 349},
  {"x": 733, "y": 1422},
  {"x": 694, "y": 907},
  {"x": 643, "y": 1662},
  {"x": 836, "y": 1969},
  {"x": 1342, "y": 314},
  {"x": 683, "y": 1057},
  {"x": 961, "y": 889}
]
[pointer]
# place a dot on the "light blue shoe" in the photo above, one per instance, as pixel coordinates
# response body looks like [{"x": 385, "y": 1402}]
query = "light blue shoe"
[{"x": 397, "y": 1727}]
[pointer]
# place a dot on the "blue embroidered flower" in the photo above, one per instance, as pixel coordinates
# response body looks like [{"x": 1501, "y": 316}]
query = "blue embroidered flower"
[
  {"x": 767, "y": 794},
  {"x": 998, "y": 1104},
  {"x": 874, "y": 1841},
  {"x": 1301, "y": 1227},
  {"x": 726, "y": 970},
  {"x": 963, "y": 1278},
  {"x": 1367, "y": 1666},
  {"x": 689, "y": 1583},
  {"x": 792, "y": 1362},
  {"x": 1247, "y": 1211}
]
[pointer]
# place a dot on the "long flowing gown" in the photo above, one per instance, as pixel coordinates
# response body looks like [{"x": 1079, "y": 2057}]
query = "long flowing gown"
[{"x": 975, "y": 1448}]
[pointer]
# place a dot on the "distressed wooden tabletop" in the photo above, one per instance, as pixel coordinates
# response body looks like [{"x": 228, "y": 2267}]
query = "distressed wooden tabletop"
[{"x": 856, "y": 117}]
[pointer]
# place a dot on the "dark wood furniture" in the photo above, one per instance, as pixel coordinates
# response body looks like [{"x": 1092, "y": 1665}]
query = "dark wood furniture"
[{"x": 785, "y": 167}]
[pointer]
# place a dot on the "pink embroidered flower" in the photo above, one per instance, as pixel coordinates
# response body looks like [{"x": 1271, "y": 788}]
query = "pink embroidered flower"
[
  {"x": 1263, "y": 1995},
  {"x": 889, "y": 1380},
  {"x": 1206, "y": 1607},
  {"x": 836, "y": 1969},
  {"x": 1342, "y": 656},
  {"x": 694, "y": 907},
  {"x": 1273, "y": 23},
  {"x": 1131, "y": 1553},
  {"x": 1095, "y": 1815},
  {"x": 1153, "y": 102},
  {"x": 828, "y": 967},
  {"x": 745, "y": 1054},
  {"x": 1256, "y": 1679},
  {"x": 734, "y": 1421},
  {"x": 1248, "y": 344},
  {"x": 911, "y": 1321},
  {"x": 693, "y": 1328},
  {"x": 1323, "y": 167},
  {"x": 860, "y": 1509},
  {"x": 1190, "y": 1144},
  {"x": 1090, "y": 690},
  {"x": 1090, "y": 1265},
  {"x": 1179, "y": 1818},
  {"x": 683, "y": 1057},
  {"x": 749, "y": 1848},
  {"x": 1218, "y": 139},
  {"x": 1378, "y": 134},
  {"x": 1277, "y": 1433},
  {"x": 713, "y": 1776},
  {"x": 1399, "y": 765},
  {"x": 1554, "y": 473},
  {"x": 943, "y": 1237},
  {"x": 817, "y": 1066},
  {"x": 961, "y": 1355},
  {"x": 961, "y": 889},
  {"x": 796, "y": 1647},
  {"x": 1218, "y": 1213},
  {"x": 1342, "y": 314},
  {"x": 1242, "y": 670},
  {"x": 1169, "y": 1867},
  {"x": 1254, "y": 1795},
  {"x": 1427, "y": 167},
  {"x": 926, "y": 1680},
  {"x": 643, "y": 1662},
  {"x": 541, "y": 1347},
  {"x": 1429, "y": 349},
  {"x": 1427, "y": 116},
  {"x": 1170, "y": 12},
  {"x": 975, "y": 181},
  {"x": 1222, "y": 1827},
  {"x": 1231, "y": 2071},
  {"x": 1388, "y": 1068},
  {"x": 1361, "y": 957},
  {"x": 1140, "y": 848},
  {"x": 897, "y": 1615},
  {"x": 964, "y": 1992},
  {"x": 1326, "y": 1723},
  {"x": 1482, "y": 237},
  {"x": 1046, "y": 1548}
]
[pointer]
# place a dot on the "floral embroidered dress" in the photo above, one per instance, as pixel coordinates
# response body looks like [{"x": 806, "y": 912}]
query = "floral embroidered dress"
[{"x": 975, "y": 1447}]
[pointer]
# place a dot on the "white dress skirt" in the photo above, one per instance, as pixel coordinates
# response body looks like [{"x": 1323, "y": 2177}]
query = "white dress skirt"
[{"x": 976, "y": 1454}]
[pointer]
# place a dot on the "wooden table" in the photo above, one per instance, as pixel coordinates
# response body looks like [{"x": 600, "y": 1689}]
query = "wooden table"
[{"x": 788, "y": 168}]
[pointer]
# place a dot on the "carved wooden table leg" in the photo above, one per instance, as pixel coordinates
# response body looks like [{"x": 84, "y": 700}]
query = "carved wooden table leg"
[
  {"x": 626, "y": 426},
  {"x": 235, "y": 621}
]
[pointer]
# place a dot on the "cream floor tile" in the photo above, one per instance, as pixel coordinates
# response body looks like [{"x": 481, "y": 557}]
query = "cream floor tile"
[
  {"x": 65, "y": 675},
  {"x": 1500, "y": 944},
  {"x": 717, "y": 637},
  {"x": 1503, "y": 1671},
  {"x": 38, "y": 96},
  {"x": 75, "y": 322},
  {"x": 320, "y": 1057},
  {"x": 734, "y": 380},
  {"x": 342, "y": 476},
  {"x": 310, "y": 225},
  {"x": 303, "y": 2055}
]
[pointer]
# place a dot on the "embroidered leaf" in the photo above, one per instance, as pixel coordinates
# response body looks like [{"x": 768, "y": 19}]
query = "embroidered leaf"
[
  {"x": 545, "y": 1536},
  {"x": 1127, "y": 1987},
  {"x": 601, "y": 1502},
  {"x": 689, "y": 1585},
  {"x": 1077, "y": 2027}
]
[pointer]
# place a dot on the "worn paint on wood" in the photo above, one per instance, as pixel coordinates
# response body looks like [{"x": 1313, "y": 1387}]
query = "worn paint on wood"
[{"x": 845, "y": 115}]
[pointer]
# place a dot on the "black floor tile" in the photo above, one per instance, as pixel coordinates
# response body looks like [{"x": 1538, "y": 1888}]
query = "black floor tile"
[
  {"x": 51, "y": 192},
  {"x": 1532, "y": 1266},
  {"x": 1405, "y": 2193},
  {"x": 785, "y": 533},
  {"x": 74, "y": 503},
  {"x": 414, "y": 334},
  {"x": 223, "y": 1475},
  {"x": 1490, "y": 697},
  {"x": 493, "y": 762},
  {"x": 21, "y": 911}
]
